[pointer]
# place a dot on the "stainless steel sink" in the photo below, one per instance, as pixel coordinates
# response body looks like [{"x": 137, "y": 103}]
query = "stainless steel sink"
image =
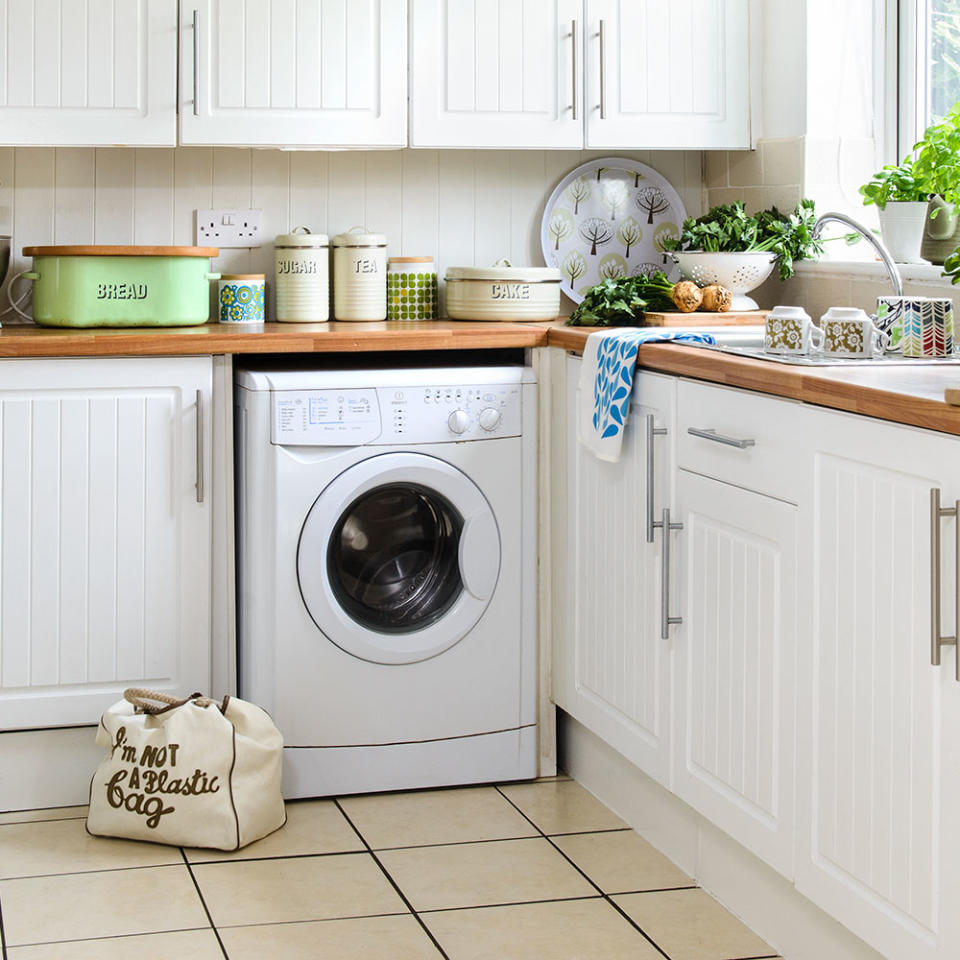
[{"x": 748, "y": 342}]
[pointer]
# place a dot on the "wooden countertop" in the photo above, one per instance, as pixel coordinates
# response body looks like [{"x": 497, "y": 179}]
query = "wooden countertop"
[
  {"x": 904, "y": 394},
  {"x": 30, "y": 341}
]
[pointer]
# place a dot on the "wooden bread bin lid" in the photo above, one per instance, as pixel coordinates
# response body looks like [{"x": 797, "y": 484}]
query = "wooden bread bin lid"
[{"x": 120, "y": 250}]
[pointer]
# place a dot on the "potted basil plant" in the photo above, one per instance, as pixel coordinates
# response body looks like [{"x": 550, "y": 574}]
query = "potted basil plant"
[
  {"x": 901, "y": 197},
  {"x": 937, "y": 164}
]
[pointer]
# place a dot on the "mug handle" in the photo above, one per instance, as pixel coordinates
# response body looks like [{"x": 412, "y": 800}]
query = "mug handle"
[
  {"x": 817, "y": 337},
  {"x": 879, "y": 341}
]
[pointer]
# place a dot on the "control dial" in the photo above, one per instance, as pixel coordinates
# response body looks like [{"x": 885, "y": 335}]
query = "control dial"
[
  {"x": 458, "y": 421},
  {"x": 489, "y": 418}
]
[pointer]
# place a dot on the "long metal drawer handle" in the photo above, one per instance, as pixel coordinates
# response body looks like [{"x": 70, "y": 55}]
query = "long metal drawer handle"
[
  {"x": 652, "y": 432},
  {"x": 603, "y": 71},
  {"x": 196, "y": 63},
  {"x": 199, "y": 446},
  {"x": 573, "y": 68},
  {"x": 937, "y": 641},
  {"x": 712, "y": 434},
  {"x": 666, "y": 621}
]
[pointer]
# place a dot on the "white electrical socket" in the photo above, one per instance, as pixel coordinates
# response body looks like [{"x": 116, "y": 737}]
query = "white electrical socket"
[{"x": 228, "y": 228}]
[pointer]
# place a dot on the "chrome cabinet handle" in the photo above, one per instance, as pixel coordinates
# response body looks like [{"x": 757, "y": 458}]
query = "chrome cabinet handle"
[
  {"x": 937, "y": 640},
  {"x": 199, "y": 446},
  {"x": 666, "y": 621},
  {"x": 712, "y": 434},
  {"x": 652, "y": 432},
  {"x": 573, "y": 68},
  {"x": 196, "y": 63},
  {"x": 603, "y": 71}
]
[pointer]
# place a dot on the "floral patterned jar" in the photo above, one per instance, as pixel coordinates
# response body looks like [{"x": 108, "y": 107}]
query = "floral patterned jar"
[
  {"x": 242, "y": 298},
  {"x": 411, "y": 288}
]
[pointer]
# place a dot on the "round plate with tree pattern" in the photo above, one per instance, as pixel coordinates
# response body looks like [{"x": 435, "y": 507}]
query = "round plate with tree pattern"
[{"x": 606, "y": 219}]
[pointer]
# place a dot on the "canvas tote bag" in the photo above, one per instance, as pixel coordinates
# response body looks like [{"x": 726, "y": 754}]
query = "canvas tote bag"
[{"x": 193, "y": 772}]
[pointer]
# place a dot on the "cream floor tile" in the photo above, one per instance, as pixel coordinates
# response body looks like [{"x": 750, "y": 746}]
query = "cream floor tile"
[
  {"x": 475, "y": 874},
  {"x": 313, "y": 826},
  {"x": 569, "y": 930},
  {"x": 50, "y": 813},
  {"x": 368, "y": 938},
  {"x": 111, "y": 904},
  {"x": 622, "y": 862},
  {"x": 691, "y": 925},
  {"x": 64, "y": 846},
  {"x": 304, "y": 888},
  {"x": 192, "y": 944},
  {"x": 435, "y": 816},
  {"x": 562, "y": 806}
]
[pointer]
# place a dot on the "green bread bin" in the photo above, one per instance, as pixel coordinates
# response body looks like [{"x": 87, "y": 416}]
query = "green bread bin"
[{"x": 120, "y": 286}]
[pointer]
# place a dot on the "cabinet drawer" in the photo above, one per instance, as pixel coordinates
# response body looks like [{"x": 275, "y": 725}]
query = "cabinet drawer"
[{"x": 745, "y": 438}]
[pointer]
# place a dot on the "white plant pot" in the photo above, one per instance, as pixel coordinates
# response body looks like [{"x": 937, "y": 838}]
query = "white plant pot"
[{"x": 902, "y": 223}]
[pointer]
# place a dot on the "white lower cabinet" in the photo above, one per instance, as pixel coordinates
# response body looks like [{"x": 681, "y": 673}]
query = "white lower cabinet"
[
  {"x": 735, "y": 662},
  {"x": 105, "y": 563},
  {"x": 796, "y": 706},
  {"x": 614, "y": 672},
  {"x": 880, "y": 764}
]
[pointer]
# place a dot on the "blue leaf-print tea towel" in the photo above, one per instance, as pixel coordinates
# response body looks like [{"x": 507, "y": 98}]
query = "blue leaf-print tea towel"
[{"x": 606, "y": 382}]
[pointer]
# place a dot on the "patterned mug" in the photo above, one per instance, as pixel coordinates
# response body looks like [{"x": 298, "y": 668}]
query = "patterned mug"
[
  {"x": 918, "y": 326},
  {"x": 790, "y": 330},
  {"x": 849, "y": 332}
]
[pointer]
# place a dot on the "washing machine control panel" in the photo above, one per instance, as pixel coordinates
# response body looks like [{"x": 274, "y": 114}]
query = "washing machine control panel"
[{"x": 391, "y": 415}]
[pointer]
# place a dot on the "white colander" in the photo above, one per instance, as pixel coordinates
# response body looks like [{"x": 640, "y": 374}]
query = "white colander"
[{"x": 738, "y": 272}]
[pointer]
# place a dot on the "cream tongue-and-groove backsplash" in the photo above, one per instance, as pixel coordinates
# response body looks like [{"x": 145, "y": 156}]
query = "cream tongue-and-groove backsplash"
[{"x": 463, "y": 207}]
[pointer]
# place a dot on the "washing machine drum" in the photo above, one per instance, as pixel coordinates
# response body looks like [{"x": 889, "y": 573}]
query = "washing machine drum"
[{"x": 398, "y": 558}]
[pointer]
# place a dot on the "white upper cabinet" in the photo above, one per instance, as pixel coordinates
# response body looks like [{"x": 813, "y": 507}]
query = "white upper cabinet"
[
  {"x": 76, "y": 73},
  {"x": 667, "y": 74},
  {"x": 307, "y": 73},
  {"x": 496, "y": 73}
]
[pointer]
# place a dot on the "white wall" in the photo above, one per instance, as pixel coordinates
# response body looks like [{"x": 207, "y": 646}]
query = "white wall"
[{"x": 463, "y": 207}]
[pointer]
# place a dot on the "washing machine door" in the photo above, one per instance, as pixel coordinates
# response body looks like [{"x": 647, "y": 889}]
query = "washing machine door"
[{"x": 398, "y": 558}]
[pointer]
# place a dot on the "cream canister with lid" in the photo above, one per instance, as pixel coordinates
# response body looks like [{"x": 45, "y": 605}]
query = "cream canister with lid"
[
  {"x": 359, "y": 275},
  {"x": 301, "y": 276}
]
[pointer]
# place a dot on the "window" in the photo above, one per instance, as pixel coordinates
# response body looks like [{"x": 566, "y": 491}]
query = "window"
[{"x": 928, "y": 66}]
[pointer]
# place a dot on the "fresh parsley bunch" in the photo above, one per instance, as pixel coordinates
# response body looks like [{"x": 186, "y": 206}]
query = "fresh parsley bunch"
[
  {"x": 729, "y": 229},
  {"x": 620, "y": 302}
]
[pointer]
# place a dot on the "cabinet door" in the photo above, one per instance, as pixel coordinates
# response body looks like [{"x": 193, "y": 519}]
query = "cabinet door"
[
  {"x": 105, "y": 549},
  {"x": 881, "y": 765},
  {"x": 79, "y": 74},
  {"x": 614, "y": 674},
  {"x": 496, "y": 73},
  {"x": 735, "y": 670},
  {"x": 667, "y": 74},
  {"x": 293, "y": 73}
]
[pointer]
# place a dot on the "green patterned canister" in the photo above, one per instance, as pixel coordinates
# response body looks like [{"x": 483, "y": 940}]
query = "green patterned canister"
[
  {"x": 411, "y": 288},
  {"x": 242, "y": 298}
]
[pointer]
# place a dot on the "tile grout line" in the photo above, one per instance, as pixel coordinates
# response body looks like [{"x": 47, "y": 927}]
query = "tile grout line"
[
  {"x": 589, "y": 880},
  {"x": 83, "y": 873},
  {"x": 3, "y": 936},
  {"x": 393, "y": 883},
  {"x": 203, "y": 903},
  {"x": 113, "y": 936}
]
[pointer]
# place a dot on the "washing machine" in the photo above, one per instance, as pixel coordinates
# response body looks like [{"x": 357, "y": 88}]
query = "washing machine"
[{"x": 386, "y": 577}]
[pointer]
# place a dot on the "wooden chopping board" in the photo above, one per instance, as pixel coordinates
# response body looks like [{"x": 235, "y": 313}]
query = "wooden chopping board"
[{"x": 702, "y": 318}]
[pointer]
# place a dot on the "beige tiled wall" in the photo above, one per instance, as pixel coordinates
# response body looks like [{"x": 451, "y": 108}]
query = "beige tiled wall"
[
  {"x": 770, "y": 175},
  {"x": 817, "y": 293}
]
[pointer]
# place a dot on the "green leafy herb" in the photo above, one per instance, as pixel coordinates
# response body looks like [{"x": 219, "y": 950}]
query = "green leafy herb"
[
  {"x": 729, "y": 229},
  {"x": 613, "y": 303},
  {"x": 932, "y": 168},
  {"x": 951, "y": 267}
]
